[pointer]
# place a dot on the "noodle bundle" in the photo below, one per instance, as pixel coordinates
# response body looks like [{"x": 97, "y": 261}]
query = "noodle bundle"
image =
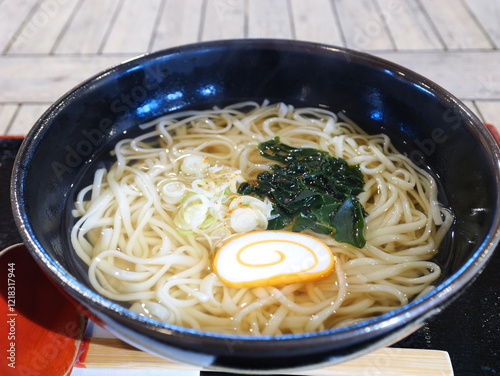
[{"x": 149, "y": 227}]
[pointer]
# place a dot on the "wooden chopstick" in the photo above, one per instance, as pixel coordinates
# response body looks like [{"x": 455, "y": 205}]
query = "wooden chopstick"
[{"x": 388, "y": 361}]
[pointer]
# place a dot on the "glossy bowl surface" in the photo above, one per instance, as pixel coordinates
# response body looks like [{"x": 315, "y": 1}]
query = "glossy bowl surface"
[{"x": 424, "y": 121}]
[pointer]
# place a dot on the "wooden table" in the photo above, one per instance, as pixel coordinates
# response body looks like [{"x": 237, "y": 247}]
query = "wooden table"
[{"x": 48, "y": 46}]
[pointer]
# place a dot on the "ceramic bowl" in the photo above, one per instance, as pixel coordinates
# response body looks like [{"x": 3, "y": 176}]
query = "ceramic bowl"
[{"x": 424, "y": 121}]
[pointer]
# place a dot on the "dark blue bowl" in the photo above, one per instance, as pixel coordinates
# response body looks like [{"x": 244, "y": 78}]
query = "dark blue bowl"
[{"x": 426, "y": 122}]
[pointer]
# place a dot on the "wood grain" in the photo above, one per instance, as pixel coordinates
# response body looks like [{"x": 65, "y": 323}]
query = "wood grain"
[
  {"x": 25, "y": 118},
  {"x": 49, "y": 46},
  {"x": 44, "y": 79},
  {"x": 455, "y": 25},
  {"x": 179, "y": 23},
  {"x": 7, "y": 114},
  {"x": 113, "y": 353},
  {"x": 364, "y": 25},
  {"x": 12, "y": 17},
  {"x": 472, "y": 75},
  {"x": 409, "y": 26},
  {"x": 316, "y": 21},
  {"x": 223, "y": 19},
  {"x": 41, "y": 31},
  {"x": 87, "y": 31},
  {"x": 269, "y": 19},
  {"x": 489, "y": 112},
  {"x": 487, "y": 14},
  {"x": 133, "y": 27}
]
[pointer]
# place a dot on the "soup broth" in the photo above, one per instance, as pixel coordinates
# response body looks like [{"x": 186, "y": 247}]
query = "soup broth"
[{"x": 150, "y": 226}]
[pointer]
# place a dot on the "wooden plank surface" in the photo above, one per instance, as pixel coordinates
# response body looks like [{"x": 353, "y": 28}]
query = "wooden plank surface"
[
  {"x": 409, "y": 26},
  {"x": 113, "y": 353},
  {"x": 363, "y": 24},
  {"x": 489, "y": 112},
  {"x": 316, "y": 21},
  {"x": 487, "y": 14},
  {"x": 180, "y": 23},
  {"x": 41, "y": 31},
  {"x": 12, "y": 17},
  {"x": 87, "y": 31},
  {"x": 133, "y": 27},
  {"x": 223, "y": 19},
  {"x": 25, "y": 118},
  {"x": 52, "y": 77},
  {"x": 467, "y": 75},
  {"x": 269, "y": 19},
  {"x": 455, "y": 25},
  {"x": 7, "y": 114},
  {"x": 49, "y": 46}
]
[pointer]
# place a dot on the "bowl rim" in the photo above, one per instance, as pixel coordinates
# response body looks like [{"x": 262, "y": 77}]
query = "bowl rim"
[{"x": 424, "y": 306}]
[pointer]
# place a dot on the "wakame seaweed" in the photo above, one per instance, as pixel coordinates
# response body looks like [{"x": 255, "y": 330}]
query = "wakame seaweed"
[{"x": 311, "y": 189}]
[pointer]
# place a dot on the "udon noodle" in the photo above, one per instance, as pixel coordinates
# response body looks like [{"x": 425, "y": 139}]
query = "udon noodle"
[{"x": 148, "y": 230}]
